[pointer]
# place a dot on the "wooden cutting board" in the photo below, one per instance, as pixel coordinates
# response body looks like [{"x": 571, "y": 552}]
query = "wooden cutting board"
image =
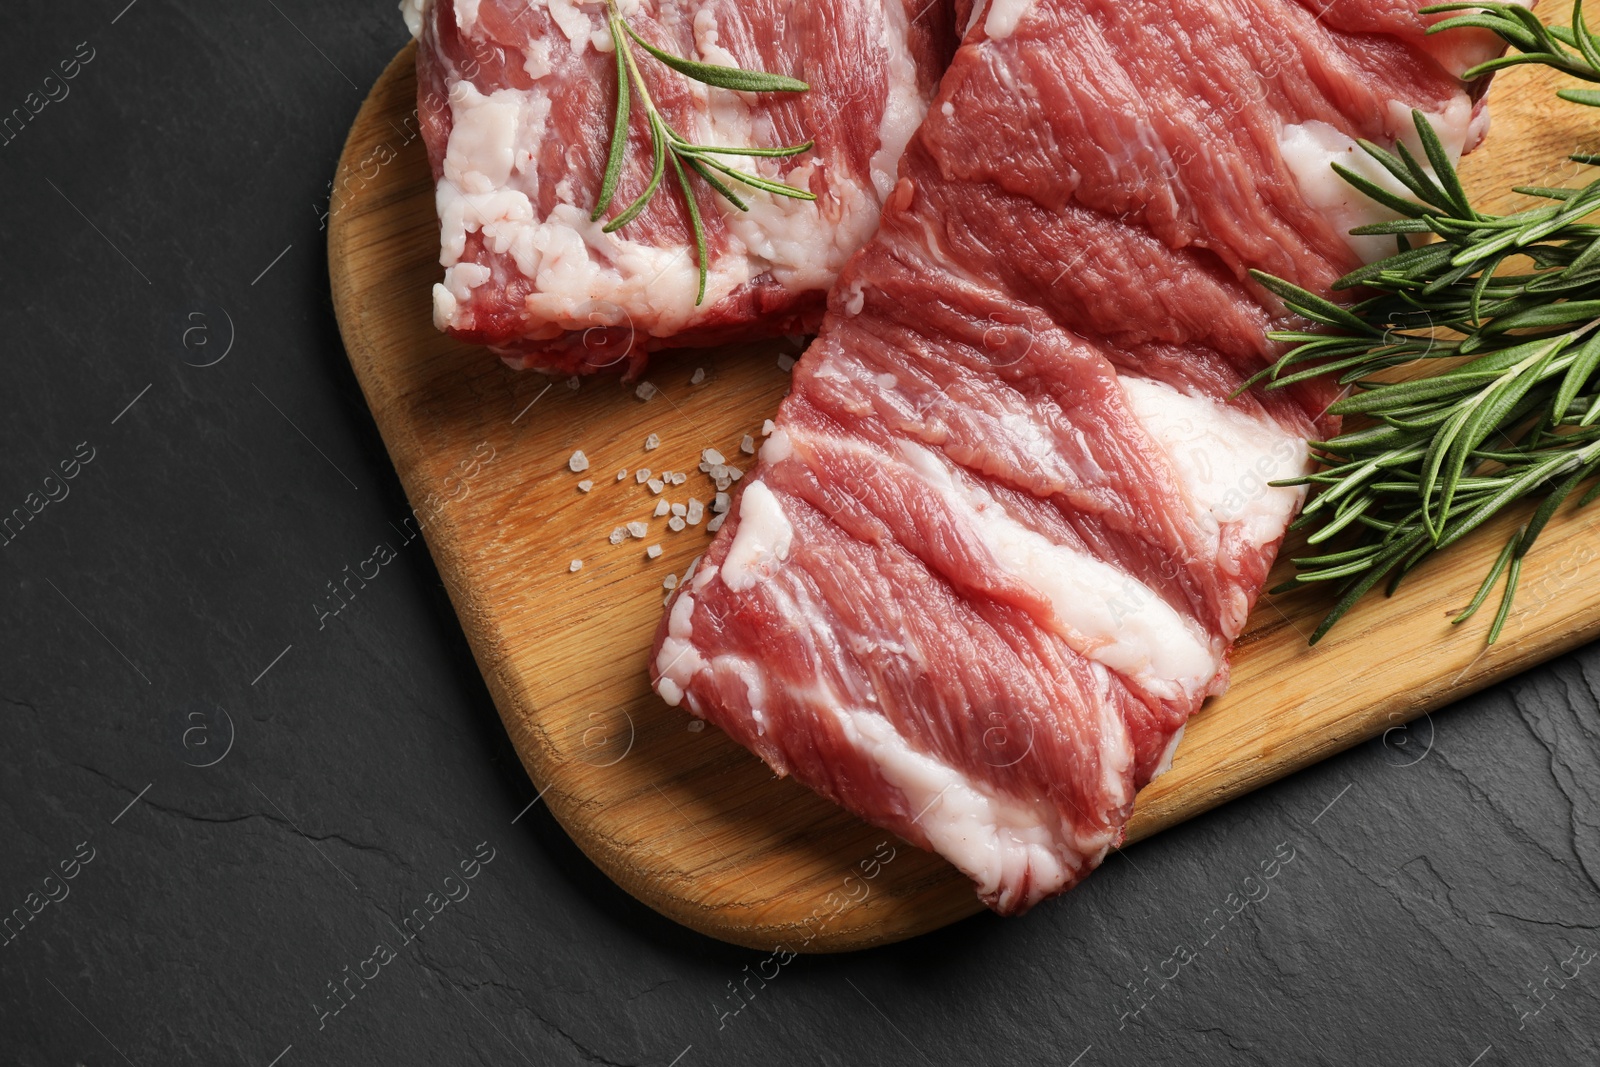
[{"x": 686, "y": 820}]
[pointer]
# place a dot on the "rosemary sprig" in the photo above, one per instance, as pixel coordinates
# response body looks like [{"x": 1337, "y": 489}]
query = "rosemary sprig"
[
  {"x": 1512, "y": 301},
  {"x": 1570, "y": 49},
  {"x": 666, "y": 143}
]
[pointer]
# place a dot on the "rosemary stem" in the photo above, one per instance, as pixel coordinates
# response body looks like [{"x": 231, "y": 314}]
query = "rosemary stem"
[
  {"x": 667, "y": 145},
  {"x": 633, "y": 67}
]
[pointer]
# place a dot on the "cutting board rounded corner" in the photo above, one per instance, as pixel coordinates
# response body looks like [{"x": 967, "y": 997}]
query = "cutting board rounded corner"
[{"x": 684, "y": 819}]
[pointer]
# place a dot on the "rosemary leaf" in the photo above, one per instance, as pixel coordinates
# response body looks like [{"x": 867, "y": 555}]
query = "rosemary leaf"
[
  {"x": 721, "y": 150},
  {"x": 694, "y": 220},
  {"x": 619, "y": 129},
  {"x": 1579, "y": 371},
  {"x": 758, "y": 182},
  {"x": 658, "y": 168},
  {"x": 717, "y": 184},
  {"x": 1512, "y": 574},
  {"x": 747, "y": 81},
  {"x": 1488, "y": 584}
]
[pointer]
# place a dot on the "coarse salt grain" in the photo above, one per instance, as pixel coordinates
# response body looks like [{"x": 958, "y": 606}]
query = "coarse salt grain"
[
  {"x": 676, "y": 524},
  {"x": 723, "y": 483},
  {"x": 748, "y": 445},
  {"x": 646, "y": 391},
  {"x": 575, "y": 566},
  {"x": 655, "y": 485},
  {"x": 617, "y": 535},
  {"x": 698, "y": 376},
  {"x": 767, "y": 428},
  {"x": 654, "y": 551},
  {"x": 715, "y": 524},
  {"x": 651, "y": 443},
  {"x": 786, "y": 363},
  {"x": 735, "y": 473},
  {"x": 642, "y": 475},
  {"x": 638, "y": 529},
  {"x": 679, "y": 509},
  {"x": 670, "y": 582},
  {"x": 678, "y": 477},
  {"x": 696, "y": 725},
  {"x": 661, "y": 508},
  {"x": 621, "y": 474},
  {"x": 579, "y": 462},
  {"x": 721, "y": 503},
  {"x": 712, "y": 456},
  {"x": 573, "y": 383},
  {"x": 585, "y": 485},
  {"x": 695, "y": 511}
]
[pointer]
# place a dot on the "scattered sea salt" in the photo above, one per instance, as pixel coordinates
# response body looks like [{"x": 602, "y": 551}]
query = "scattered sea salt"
[
  {"x": 654, "y": 551},
  {"x": 786, "y": 362},
  {"x": 621, "y": 474},
  {"x": 642, "y": 475},
  {"x": 748, "y": 445},
  {"x": 585, "y": 485},
  {"x": 712, "y": 456},
  {"x": 721, "y": 503},
  {"x": 646, "y": 391},
  {"x": 575, "y": 566},
  {"x": 617, "y": 535},
  {"x": 638, "y": 529},
  {"x": 675, "y": 524},
  {"x": 695, "y": 512},
  {"x": 767, "y": 428},
  {"x": 670, "y": 582},
  {"x": 678, "y": 477},
  {"x": 573, "y": 383},
  {"x": 679, "y": 510},
  {"x": 579, "y": 462},
  {"x": 735, "y": 473},
  {"x": 696, "y": 725},
  {"x": 715, "y": 524},
  {"x": 655, "y": 485},
  {"x": 698, "y": 376},
  {"x": 661, "y": 508},
  {"x": 723, "y": 483},
  {"x": 652, "y": 443}
]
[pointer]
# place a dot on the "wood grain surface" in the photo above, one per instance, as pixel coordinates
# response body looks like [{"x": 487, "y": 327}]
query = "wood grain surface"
[{"x": 686, "y": 820}]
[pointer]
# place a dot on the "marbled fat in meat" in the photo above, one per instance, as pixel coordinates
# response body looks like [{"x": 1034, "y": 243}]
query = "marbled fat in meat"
[
  {"x": 1011, "y": 518},
  {"x": 516, "y": 102}
]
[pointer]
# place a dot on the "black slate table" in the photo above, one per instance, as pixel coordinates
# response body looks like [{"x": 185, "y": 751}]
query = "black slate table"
[{"x": 233, "y": 835}]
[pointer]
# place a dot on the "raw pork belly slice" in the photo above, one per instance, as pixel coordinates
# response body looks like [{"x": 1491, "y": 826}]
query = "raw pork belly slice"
[
  {"x": 1009, "y": 524},
  {"x": 516, "y": 100}
]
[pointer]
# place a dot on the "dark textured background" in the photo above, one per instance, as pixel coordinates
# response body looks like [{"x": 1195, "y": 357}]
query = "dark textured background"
[{"x": 1456, "y": 871}]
